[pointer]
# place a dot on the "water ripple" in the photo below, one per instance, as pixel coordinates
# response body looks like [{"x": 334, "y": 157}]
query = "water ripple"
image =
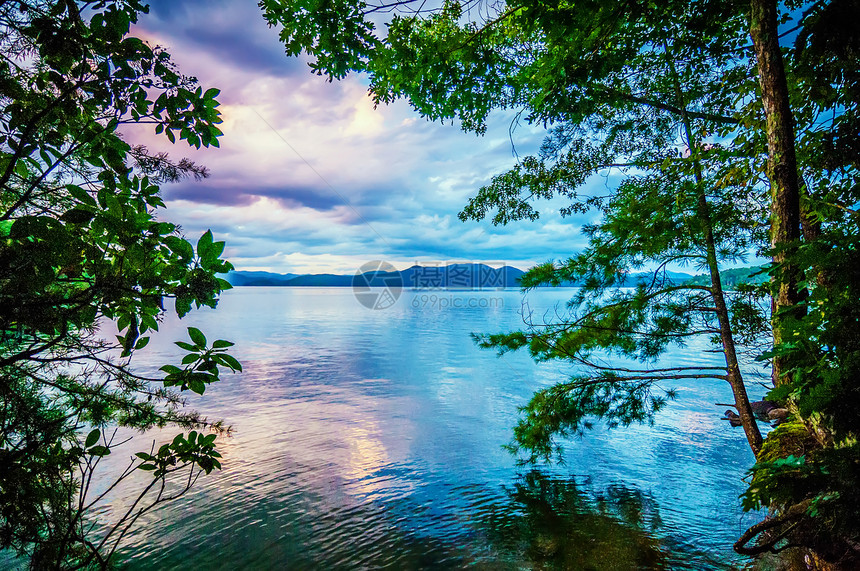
[{"x": 373, "y": 440}]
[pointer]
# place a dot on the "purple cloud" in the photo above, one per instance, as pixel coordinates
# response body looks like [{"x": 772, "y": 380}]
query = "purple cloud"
[{"x": 310, "y": 177}]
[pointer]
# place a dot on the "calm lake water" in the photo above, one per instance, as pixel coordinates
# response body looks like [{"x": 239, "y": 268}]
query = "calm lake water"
[{"x": 367, "y": 439}]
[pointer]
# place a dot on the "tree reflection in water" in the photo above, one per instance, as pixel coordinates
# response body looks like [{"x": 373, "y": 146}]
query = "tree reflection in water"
[{"x": 553, "y": 524}]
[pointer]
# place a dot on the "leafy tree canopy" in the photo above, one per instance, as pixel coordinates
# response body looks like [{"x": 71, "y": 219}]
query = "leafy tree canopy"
[
  {"x": 634, "y": 89},
  {"x": 81, "y": 244},
  {"x": 669, "y": 97}
]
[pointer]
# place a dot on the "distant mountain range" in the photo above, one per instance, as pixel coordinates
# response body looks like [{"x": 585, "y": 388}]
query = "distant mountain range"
[
  {"x": 453, "y": 276},
  {"x": 258, "y": 278}
]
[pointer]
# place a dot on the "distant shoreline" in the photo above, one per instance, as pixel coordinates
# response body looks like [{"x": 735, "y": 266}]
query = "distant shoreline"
[{"x": 457, "y": 277}]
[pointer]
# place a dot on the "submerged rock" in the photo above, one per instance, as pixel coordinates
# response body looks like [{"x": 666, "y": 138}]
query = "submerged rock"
[
  {"x": 733, "y": 418},
  {"x": 777, "y": 415},
  {"x": 762, "y": 408}
]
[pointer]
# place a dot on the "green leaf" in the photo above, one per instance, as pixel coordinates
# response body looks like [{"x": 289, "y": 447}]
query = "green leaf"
[
  {"x": 221, "y": 344},
  {"x": 92, "y": 437},
  {"x": 77, "y": 216},
  {"x": 99, "y": 451},
  {"x": 208, "y": 366},
  {"x": 80, "y": 194},
  {"x": 180, "y": 247},
  {"x": 197, "y": 336},
  {"x": 231, "y": 362},
  {"x": 183, "y": 306},
  {"x": 205, "y": 246},
  {"x": 114, "y": 206},
  {"x": 185, "y": 345},
  {"x": 149, "y": 322},
  {"x": 197, "y": 386}
]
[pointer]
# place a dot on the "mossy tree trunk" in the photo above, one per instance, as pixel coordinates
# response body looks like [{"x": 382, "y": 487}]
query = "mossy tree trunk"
[{"x": 782, "y": 170}]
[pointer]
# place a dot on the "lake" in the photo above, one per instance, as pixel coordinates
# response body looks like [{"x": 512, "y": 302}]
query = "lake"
[{"x": 373, "y": 438}]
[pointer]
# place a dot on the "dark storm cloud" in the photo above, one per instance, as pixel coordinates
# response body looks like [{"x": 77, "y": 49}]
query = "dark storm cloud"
[
  {"x": 291, "y": 197},
  {"x": 207, "y": 194},
  {"x": 245, "y": 50},
  {"x": 235, "y": 33},
  {"x": 288, "y": 196},
  {"x": 169, "y": 9}
]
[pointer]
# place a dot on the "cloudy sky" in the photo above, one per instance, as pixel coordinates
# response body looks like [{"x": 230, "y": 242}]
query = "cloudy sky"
[{"x": 310, "y": 178}]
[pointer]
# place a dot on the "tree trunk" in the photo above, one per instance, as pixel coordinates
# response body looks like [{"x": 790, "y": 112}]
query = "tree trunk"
[
  {"x": 733, "y": 370},
  {"x": 739, "y": 390},
  {"x": 782, "y": 169}
]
